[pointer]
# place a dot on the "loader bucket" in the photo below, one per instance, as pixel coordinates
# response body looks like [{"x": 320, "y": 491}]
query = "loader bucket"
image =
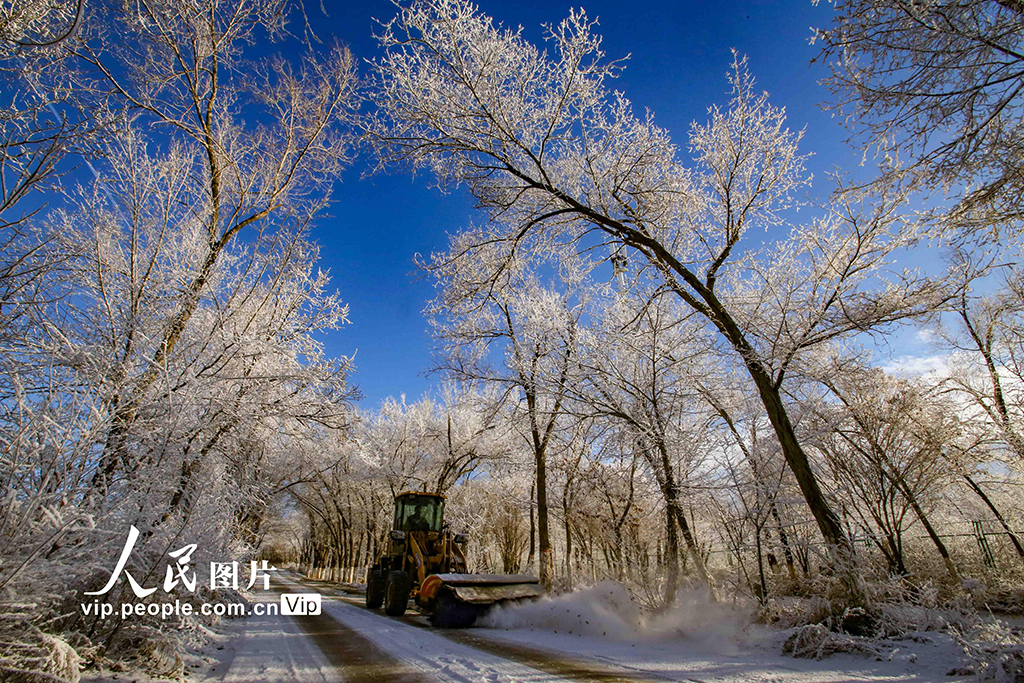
[{"x": 456, "y": 600}]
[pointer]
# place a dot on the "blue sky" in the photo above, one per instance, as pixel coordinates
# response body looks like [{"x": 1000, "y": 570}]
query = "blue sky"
[{"x": 679, "y": 55}]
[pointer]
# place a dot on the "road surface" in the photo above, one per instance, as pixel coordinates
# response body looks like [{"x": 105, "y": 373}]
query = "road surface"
[{"x": 347, "y": 642}]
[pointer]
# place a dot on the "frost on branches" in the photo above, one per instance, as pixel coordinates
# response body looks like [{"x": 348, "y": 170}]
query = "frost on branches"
[
  {"x": 559, "y": 161},
  {"x": 159, "y": 360}
]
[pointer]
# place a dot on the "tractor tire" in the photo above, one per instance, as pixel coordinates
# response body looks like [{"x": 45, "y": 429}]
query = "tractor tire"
[
  {"x": 450, "y": 612},
  {"x": 375, "y": 589},
  {"x": 396, "y": 593}
]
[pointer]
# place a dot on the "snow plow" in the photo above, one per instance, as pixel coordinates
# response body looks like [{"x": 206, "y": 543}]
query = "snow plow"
[{"x": 424, "y": 560}]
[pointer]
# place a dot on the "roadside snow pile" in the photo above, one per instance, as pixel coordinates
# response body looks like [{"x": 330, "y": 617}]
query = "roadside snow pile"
[{"x": 606, "y": 610}]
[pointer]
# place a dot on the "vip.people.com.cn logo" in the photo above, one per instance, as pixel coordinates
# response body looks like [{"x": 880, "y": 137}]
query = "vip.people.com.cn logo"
[{"x": 181, "y": 576}]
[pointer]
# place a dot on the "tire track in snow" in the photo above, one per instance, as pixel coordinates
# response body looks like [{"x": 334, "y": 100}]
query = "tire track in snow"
[
  {"x": 429, "y": 656},
  {"x": 576, "y": 670},
  {"x": 268, "y": 648},
  {"x": 357, "y": 659},
  {"x": 540, "y": 660}
]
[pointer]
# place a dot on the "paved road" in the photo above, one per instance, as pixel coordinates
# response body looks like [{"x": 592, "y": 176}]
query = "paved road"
[{"x": 366, "y": 646}]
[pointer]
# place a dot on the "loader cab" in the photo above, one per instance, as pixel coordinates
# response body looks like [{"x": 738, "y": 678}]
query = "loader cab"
[{"x": 417, "y": 511}]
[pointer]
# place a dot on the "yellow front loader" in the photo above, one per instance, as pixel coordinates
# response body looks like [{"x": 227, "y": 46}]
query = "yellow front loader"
[{"x": 424, "y": 560}]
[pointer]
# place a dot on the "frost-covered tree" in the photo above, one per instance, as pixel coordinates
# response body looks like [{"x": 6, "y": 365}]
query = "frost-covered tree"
[
  {"x": 639, "y": 370},
  {"x": 40, "y": 126},
  {"x": 753, "y": 485},
  {"x": 216, "y": 434},
  {"x": 972, "y": 450},
  {"x": 560, "y": 161},
  {"x": 165, "y": 372},
  {"x": 938, "y": 86},
  {"x": 986, "y": 368},
  {"x": 432, "y": 444},
  {"x": 533, "y": 328},
  {"x": 38, "y": 23},
  {"x": 130, "y": 244},
  {"x": 181, "y": 68},
  {"x": 435, "y": 444},
  {"x": 889, "y": 469}
]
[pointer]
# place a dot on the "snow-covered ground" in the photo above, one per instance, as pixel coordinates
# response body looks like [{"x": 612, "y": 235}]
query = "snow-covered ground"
[
  {"x": 701, "y": 641},
  {"x": 270, "y": 648},
  {"x": 428, "y": 652},
  {"x": 592, "y": 635},
  {"x": 256, "y": 649},
  {"x": 697, "y": 642}
]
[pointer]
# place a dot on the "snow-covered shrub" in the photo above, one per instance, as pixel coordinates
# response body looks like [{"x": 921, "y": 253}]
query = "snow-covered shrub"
[
  {"x": 906, "y": 607},
  {"x": 902, "y": 610},
  {"x": 790, "y": 612},
  {"x": 27, "y": 654},
  {"x": 997, "y": 651},
  {"x": 146, "y": 647},
  {"x": 826, "y": 601},
  {"x": 901, "y": 620},
  {"x": 999, "y": 593},
  {"x": 816, "y": 641}
]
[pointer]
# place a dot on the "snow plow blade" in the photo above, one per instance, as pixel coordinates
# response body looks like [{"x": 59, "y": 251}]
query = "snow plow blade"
[
  {"x": 485, "y": 588},
  {"x": 456, "y": 600}
]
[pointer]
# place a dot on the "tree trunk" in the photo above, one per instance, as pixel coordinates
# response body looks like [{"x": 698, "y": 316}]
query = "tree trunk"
[
  {"x": 894, "y": 556},
  {"x": 769, "y": 392},
  {"x": 546, "y": 566},
  {"x": 568, "y": 543},
  {"x": 672, "y": 503},
  {"x": 698, "y": 559},
  {"x": 115, "y": 452},
  {"x": 995, "y": 511},
  {"x": 936, "y": 540},
  {"x": 1005, "y": 423},
  {"x": 763, "y": 586},
  {"x": 671, "y": 557},
  {"x": 784, "y": 539},
  {"x": 533, "y": 530},
  {"x": 828, "y": 523}
]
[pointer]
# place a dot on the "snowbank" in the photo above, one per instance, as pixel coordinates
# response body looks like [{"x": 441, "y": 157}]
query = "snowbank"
[{"x": 606, "y": 610}]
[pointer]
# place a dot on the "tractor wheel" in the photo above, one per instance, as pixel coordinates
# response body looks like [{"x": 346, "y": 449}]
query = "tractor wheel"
[
  {"x": 396, "y": 593},
  {"x": 450, "y": 612},
  {"x": 375, "y": 589}
]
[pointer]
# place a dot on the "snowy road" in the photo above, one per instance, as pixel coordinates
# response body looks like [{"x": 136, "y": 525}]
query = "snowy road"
[
  {"x": 350, "y": 643},
  {"x": 407, "y": 648}
]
